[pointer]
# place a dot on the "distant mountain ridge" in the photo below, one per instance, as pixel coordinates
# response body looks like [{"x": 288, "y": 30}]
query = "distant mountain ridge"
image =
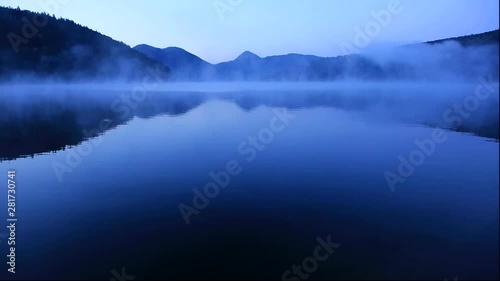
[
  {"x": 247, "y": 56},
  {"x": 64, "y": 50},
  {"x": 485, "y": 38},
  {"x": 183, "y": 64},
  {"x": 247, "y": 66},
  {"x": 297, "y": 67}
]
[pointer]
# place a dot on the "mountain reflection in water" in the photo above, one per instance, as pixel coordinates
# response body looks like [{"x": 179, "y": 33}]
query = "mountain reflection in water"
[{"x": 37, "y": 121}]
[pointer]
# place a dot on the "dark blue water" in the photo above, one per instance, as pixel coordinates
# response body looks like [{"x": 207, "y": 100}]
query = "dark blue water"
[{"x": 320, "y": 173}]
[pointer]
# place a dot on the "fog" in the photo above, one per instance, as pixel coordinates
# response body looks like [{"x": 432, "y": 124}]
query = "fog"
[
  {"x": 445, "y": 62},
  {"x": 38, "y": 118},
  {"x": 448, "y": 61},
  {"x": 443, "y": 85}
]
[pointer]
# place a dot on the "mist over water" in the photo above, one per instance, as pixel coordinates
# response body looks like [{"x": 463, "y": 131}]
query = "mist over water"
[
  {"x": 448, "y": 61},
  {"x": 61, "y": 113}
]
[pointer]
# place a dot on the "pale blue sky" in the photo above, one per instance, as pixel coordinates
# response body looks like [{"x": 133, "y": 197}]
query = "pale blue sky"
[{"x": 268, "y": 27}]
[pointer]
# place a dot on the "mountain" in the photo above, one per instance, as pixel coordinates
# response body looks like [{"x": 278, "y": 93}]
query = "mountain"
[
  {"x": 453, "y": 59},
  {"x": 247, "y": 56},
  {"x": 184, "y": 65},
  {"x": 36, "y": 45},
  {"x": 41, "y": 46},
  {"x": 246, "y": 66},
  {"x": 249, "y": 66},
  {"x": 485, "y": 38}
]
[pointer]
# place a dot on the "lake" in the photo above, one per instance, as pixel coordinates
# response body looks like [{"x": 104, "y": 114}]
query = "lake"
[{"x": 257, "y": 181}]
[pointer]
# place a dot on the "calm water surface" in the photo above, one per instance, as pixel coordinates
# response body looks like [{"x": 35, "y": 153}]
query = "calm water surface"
[{"x": 320, "y": 174}]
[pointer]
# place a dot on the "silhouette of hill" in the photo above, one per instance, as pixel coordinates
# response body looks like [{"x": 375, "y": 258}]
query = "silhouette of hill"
[
  {"x": 435, "y": 60},
  {"x": 485, "y": 38},
  {"x": 42, "y": 46},
  {"x": 184, "y": 65},
  {"x": 460, "y": 58},
  {"x": 247, "y": 56},
  {"x": 249, "y": 66}
]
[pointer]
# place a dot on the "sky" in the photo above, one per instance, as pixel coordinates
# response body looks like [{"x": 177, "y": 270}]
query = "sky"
[{"x": 220, "y": 30}]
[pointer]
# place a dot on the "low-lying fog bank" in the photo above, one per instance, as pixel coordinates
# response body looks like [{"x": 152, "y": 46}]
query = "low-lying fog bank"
[
  {"x": 205, "y": 87},
  {"x": 48, "y": 117}
]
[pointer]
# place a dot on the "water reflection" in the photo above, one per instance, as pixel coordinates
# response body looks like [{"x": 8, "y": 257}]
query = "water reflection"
[
  {"x": 324, "y": 174},
  {"x": 41, "y": 121}
]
